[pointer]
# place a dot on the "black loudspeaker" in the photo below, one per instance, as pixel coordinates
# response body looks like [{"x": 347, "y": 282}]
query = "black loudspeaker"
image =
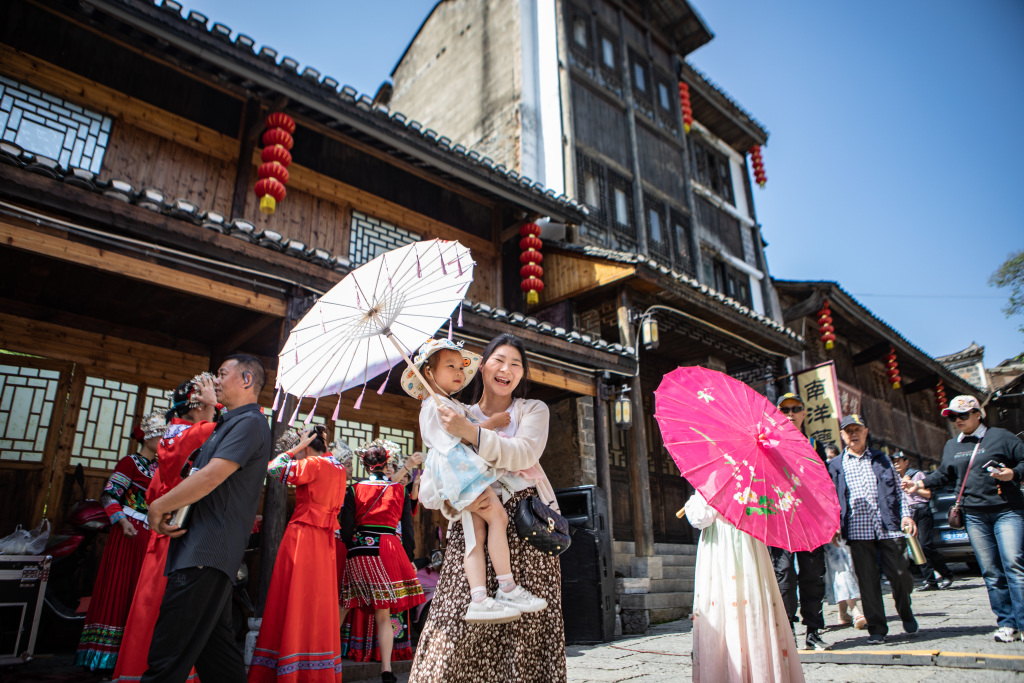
[{"x": 588, "y": 576}]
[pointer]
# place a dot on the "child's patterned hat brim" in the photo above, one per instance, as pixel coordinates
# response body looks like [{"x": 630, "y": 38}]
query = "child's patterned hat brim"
[{"x": 412, "y": 385}]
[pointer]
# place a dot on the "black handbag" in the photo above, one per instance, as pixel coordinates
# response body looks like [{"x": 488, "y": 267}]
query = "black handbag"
[{"x": 541, "y": 527}]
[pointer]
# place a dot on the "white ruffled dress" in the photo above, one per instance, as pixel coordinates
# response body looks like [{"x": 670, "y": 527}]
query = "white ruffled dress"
[{"x": 741, "y": 632}]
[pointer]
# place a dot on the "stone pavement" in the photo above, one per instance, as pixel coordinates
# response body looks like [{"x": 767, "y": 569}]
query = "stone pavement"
[{"x": 957, "y": 620}]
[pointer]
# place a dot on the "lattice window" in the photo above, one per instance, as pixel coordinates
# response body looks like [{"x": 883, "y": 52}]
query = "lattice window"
[
  {"x": 623, "y": 234},
  {"x": 373, "y": 236},
  {"x": 711, "y": 169},
  {"x": 667, "y": 97},
  {"x": 719, "y": 223},
  {"x": 592, "y": 188},
  {"x": 608, "y": 59},
  {"x": 355, "y": 434},
  {"x": 680, "y": 227},
  {"x": 155, "y": 399},
  {"x": 52, "y": 127},
  {"x": 643, "y": 85},
  {"x": 659, "y": 240},
  {"x": 27, "y": 396},
  {"x": 580, "y": 39},
  {"x": 105, "y": 422}
]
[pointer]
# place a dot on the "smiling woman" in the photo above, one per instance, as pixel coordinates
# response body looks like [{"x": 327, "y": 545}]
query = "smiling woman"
[{"x": 533, "y": 647}]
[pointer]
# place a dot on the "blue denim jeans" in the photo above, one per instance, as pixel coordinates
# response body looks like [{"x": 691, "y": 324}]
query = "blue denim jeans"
[{"x": 998, "y": 542}]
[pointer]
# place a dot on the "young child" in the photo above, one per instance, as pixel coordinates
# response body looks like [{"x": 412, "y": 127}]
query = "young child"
[{"x": 458, "y": 482}]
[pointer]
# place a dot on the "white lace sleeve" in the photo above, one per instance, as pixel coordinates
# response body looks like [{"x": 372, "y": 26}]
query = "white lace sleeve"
[{"x": 699, "y": 513}]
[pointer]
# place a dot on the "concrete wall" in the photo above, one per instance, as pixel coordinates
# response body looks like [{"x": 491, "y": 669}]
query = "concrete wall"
[{"x": 462, "y": 77}]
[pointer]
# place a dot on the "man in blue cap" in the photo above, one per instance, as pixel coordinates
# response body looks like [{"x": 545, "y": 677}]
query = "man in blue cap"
[
  {"x": 873, "y": 516},
  {"x": 810, "y": 579}
]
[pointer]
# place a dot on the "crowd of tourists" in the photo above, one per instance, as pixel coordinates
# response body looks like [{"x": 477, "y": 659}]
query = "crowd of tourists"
[{"x": 184, "y": 506}]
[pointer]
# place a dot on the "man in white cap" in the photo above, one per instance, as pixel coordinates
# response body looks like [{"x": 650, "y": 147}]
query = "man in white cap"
[{"x": 987, "y": 466}]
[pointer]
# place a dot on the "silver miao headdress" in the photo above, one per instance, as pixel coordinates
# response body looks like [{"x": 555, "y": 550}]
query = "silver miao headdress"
[{"x": 153, "y": 424}]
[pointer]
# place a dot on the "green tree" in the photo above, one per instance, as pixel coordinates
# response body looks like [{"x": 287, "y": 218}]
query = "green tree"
[{"x": 1011, "y": 275}]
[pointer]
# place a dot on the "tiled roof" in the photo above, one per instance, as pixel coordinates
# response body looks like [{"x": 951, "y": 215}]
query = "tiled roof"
[
  {"x": 682, "y": 278},
  {"x": 342, "y": 99},
  {"x": 531, "y": 323},
  {"x": 972, "y": 351},
  {"x": 157, "y": 201},
  {"x": 738, "y": 111}
]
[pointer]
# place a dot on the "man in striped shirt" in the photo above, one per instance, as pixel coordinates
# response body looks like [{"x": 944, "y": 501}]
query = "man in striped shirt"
[
  {"x": 194, "y": 626},
  {"x": 873, "y": 517}
]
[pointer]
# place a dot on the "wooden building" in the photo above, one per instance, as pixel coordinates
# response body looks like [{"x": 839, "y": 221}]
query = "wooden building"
[
  {"x": 907, "y": 418},
  {"x": 587, "y": 98},
  {"x": 134, "y": 255}
]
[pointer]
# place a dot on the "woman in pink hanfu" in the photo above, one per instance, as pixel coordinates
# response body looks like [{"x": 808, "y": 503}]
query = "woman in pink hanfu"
[{"x": 741, "y": 632}]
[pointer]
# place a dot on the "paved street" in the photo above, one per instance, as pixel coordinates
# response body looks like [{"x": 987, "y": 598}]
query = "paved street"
[{"x": 957, "y": 620}]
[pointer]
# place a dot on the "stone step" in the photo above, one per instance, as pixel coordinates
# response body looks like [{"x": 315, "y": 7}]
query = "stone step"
[
  {"x": 672, "y": 566},
  {"x": 665, "y": 614},
  {"x": 628, "y": 547},
  {"x": 369, "y": 671},
  {"x": 672, "y": 585},
  {"x": 652, "y": 601}
]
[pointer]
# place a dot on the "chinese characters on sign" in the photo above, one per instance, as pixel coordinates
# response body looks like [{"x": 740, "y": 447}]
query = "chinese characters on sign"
[
  {"x": 818, "y": 388},
  {"x": 849, "y": 399}
]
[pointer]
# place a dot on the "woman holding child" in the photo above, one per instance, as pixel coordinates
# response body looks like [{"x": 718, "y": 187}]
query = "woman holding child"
[{"x": 531, "y": 648}]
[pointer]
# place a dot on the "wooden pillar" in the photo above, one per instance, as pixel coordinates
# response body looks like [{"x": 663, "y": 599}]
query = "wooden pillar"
[
  {"x": 639, "y": 475},
  {"x": 275, "y": 509},
  {"x": 604, "y": 473}
]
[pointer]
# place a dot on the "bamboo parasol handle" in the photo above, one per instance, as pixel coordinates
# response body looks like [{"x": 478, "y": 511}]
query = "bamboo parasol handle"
[
  {"x": 414, "y": 369},
  {"x": 681, "y": 512}
]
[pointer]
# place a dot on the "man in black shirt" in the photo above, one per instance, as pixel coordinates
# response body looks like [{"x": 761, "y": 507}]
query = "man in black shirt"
[
  {"x": 810, "y": 579},
  {"x": 194, "y": 626}
]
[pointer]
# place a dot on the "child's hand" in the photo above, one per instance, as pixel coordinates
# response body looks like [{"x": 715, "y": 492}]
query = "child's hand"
[{"x": 497, "y": 421}]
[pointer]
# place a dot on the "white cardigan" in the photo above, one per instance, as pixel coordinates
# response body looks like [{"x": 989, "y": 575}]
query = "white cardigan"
[{"x": 522, "y": 451}]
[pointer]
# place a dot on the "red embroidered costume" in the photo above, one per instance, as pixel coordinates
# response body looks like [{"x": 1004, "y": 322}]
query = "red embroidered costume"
[
  {"x": 180, "y": 441},
  {"x": 300, "y": 637}
]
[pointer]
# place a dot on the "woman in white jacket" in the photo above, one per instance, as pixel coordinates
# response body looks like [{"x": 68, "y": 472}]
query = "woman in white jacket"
[{"x": 533, "y": 648}]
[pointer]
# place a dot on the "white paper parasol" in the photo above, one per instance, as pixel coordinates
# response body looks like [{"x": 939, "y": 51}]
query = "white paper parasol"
[{"x": 373, "y": 319}]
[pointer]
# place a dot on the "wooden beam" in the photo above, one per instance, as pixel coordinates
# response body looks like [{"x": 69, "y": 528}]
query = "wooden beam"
[
  {"x": 70, "y": 86},
  {"x": 317, "y": 184},
  {"x": 251, "y": 124},
  {"x": 393, "y": 160},
  {"x": 926, "y": 382},
  {"x": 561, "y": 379},
  {"x": 100, "y": 355},
  {"x": 808, "y": 306},
  {"x": 45, "y": 195},
  {"x": 567, "y": 276},
  {"x": 38, "y": 242},
  {"x": 872, "y": 353}
]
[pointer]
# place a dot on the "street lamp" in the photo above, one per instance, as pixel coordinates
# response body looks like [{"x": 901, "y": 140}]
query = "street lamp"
[
  {"x": 649, "y": 332},
  {"x": 623, "y": 410}
]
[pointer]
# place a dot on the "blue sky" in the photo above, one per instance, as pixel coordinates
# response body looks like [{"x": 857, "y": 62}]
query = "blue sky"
[{"x": 894, "y": 164}]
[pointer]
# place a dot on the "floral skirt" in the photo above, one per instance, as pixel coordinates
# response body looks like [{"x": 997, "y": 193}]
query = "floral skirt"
[{"x": 450, "y": 650}]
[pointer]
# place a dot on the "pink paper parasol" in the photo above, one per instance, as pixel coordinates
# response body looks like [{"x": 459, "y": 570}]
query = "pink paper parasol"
[{"x": 747, "y": 459}]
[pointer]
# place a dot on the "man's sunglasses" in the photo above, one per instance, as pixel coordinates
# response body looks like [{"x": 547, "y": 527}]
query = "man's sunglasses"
[
  {"x": 792, "y": 409},
  {"x": 953, "y": 417}
]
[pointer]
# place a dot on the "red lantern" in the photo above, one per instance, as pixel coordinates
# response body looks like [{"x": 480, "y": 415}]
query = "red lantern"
[
  {"x": 825, "y": 327},
  {"x": 684, "y": 105},
  {"x": 273, "y": 172},
  {"x": 892, "y": 368},
  {"x": 940, "y": 396},
  {"x": 531, "y": 258},
  {"x": 758, "y": 163}
]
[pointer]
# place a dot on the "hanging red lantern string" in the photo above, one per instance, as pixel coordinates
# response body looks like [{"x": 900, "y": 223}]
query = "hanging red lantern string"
[
  {"x": 684, "y": 105},
  {"x": 276, "y": 157},
  {"x": 758, "y": 163},
  {"x": 892, "y": 368},
  {"x": 825, "y": 328},
  {"x": 940, "y": 396},
  {"x": 531, "y": 258}
]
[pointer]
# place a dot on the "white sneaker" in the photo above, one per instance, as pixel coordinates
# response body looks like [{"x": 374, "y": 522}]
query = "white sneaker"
[
  {"x": 491, "y": 612},
  {"x": 521, "y": 599},
  {"x": 1006, "y": 634}
]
